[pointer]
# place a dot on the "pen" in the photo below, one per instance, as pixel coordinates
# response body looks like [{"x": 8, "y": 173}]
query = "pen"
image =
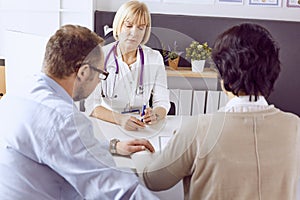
[
  {"x": 131, "y": 111},
  {"x": 143, "y": 111}
]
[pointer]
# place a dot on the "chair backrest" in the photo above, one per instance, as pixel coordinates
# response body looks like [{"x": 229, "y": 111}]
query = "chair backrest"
[
  {"x": 172, "y": 110},
  {"x": 109, "y": 38}
]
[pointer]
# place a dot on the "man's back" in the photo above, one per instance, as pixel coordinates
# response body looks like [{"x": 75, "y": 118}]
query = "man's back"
[
  {"x": 26, "y": 133},
  {"x": 250, "y": 156},
  {"x": 48, "y": 150}
]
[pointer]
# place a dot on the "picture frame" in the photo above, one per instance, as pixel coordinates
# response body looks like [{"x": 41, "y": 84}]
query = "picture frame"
[
  {"x": 270, "y": 3},
  {"x": 293, "y": 3},
  {"x": 231, "y": 2}
]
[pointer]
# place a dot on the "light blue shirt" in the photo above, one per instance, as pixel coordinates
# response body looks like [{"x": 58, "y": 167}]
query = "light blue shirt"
[{"x": 48, "y": 150}]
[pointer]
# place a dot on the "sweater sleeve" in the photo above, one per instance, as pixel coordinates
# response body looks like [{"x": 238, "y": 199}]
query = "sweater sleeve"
[{"x": 175, "y": 162}]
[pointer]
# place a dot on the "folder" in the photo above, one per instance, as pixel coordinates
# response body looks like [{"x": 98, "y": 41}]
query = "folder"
[
  {"x": 185, "y": 105},
  {"x": 212, "y": 101},
  {"x": 198, "y": 102},
  {"x": 223, "y": 99}
]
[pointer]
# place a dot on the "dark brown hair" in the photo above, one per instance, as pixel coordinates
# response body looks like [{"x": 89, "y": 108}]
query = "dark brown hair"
[
  {"x": 69, "y": 48},
  {"x": 247, "y": 58}
]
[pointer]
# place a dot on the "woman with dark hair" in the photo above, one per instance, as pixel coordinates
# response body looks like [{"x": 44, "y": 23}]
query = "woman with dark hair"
[
  {"x": 248, "y": 64},
  {"x": 248, "y": 149}
]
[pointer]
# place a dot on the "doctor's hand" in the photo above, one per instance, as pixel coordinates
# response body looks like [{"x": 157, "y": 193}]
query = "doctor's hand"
[
  {"x": 132, "y": 146},
  {"x": 150, "y": 116},
  {"x": 131, "y": 123}
]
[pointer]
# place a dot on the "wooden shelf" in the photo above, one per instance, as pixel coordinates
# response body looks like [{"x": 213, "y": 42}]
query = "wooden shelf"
[{"x": 187, "y": 72}]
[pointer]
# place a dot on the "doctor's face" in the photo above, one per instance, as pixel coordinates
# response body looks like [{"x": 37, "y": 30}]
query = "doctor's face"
[{"x": 131, "y": 34}]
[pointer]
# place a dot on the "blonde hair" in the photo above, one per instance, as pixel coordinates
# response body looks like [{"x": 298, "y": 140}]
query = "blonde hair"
[{"x": 136, "y": 12}]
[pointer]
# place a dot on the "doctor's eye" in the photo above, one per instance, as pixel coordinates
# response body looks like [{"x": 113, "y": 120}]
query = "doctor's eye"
[
  {"x": 128, "y": 24},
  {"x": 141, "y": 27}
]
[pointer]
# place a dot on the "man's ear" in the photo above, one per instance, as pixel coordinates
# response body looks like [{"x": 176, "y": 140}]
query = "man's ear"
[{"x": 83, "y": 72}]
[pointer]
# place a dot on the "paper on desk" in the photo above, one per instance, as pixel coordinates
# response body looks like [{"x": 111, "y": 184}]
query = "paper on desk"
[
  {"x": 163, "y": 141},
  {"x": 148, "y": 132},
  {"x": 109, "y": 130}
]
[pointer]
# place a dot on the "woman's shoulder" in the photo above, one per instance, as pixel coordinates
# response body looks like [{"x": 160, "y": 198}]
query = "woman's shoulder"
[
  {"x": 153, "y": 56},
  {"x": 288, "y": 115},
  {"x": 150, "y": 51}
]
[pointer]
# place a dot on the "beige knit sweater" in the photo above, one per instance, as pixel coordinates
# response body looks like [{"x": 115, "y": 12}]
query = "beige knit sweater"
[{"x": 232, "y": 156}]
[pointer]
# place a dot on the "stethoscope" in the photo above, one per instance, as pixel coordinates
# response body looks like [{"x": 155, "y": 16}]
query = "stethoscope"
[{"x": 113, "y": 51}]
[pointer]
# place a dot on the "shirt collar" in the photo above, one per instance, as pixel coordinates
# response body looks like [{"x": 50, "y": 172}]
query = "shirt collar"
[
  {"x": 60, "y": 91},
  {"x": 242, "y": 104}
]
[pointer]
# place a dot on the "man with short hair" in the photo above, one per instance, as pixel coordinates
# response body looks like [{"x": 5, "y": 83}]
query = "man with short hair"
[{"x": 48, "y": 149}]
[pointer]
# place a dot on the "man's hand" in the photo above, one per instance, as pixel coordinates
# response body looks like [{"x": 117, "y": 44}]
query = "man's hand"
[{"x": 128, "y": 147}]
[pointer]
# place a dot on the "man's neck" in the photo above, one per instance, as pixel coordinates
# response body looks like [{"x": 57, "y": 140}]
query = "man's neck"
[{"x": 67, "y": 83}]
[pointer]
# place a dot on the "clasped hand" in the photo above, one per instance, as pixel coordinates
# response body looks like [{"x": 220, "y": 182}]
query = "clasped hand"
[{"x": 131, "y": 123}]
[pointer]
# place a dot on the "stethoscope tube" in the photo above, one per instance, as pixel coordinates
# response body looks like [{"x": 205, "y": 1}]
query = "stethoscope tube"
[{"x": 141, "y": 79}]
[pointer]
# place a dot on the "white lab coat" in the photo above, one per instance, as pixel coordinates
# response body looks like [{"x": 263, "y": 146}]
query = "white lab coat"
[{"x": 119, "y": 92}]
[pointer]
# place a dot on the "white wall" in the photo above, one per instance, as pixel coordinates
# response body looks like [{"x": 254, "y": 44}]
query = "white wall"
[
  {"x": 219, "y": 10},
  {"x": 25, "y": 27}
]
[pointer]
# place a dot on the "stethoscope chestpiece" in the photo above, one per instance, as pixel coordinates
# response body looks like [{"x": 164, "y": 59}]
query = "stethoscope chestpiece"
[
  {"x": 103, "y": 95},
  {"x": 114, "y": 96},
  {"x": 141, "y": 89}
]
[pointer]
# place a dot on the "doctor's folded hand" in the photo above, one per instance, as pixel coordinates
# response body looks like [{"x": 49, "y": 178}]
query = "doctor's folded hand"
[
  {"x": 150, "y": 116},
  {"x": 130, "y": 123},
  {"x": 133, "y": 146}
]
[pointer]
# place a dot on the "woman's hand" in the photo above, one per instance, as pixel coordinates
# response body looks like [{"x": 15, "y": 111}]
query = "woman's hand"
[
  {"x": 131, "y": 123},
  {"x": 128, "y": 147},
  {"x": 150, "y": 117}
]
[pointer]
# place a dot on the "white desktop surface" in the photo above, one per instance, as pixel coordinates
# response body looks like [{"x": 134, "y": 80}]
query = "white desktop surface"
[{"x": 158, "y": 134}]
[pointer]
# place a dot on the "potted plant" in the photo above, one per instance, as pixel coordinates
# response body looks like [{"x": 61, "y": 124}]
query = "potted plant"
[
  {"x": 198, "y": 53},
  {"x": 172, "y": 55}
]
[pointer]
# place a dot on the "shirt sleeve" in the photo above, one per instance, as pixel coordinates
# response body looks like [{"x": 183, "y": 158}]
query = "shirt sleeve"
[
  {"x": 175, "y": 162},
  {"x": 160, "y": 88},
  {"x": 82, "y": 160}
]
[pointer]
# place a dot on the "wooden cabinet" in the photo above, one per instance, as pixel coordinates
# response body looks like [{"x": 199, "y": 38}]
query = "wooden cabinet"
[
  {"x": 194, "y": 93},
  {"x": 2, "y": 80}
]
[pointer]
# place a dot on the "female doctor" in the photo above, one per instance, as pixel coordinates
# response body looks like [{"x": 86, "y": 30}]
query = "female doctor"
[{"x": 135, "y": 72}]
